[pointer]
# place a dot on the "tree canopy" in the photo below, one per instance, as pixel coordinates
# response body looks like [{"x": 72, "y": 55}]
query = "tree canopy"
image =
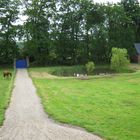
[{"x": 69, "y": 32}]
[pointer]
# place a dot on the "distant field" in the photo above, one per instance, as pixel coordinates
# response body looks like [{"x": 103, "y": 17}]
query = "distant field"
[
  {"x": 107, "y": 106},
  {"x": 5, "y": 93}
]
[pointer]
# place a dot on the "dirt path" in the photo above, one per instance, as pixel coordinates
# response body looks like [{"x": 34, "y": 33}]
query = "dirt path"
[{"x": 26, "y": 120}]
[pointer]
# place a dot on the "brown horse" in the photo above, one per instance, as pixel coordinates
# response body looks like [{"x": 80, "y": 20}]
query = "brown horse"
[{"x": 7, "y": 74}]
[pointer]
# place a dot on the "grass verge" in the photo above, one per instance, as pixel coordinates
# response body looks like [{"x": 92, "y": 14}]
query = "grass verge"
[
  {"x": 6, "y": 86},
  {"x": 106, "y": 106}
]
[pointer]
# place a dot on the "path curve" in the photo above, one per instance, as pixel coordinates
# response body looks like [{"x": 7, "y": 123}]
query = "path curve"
[{"x": 26, "y": 120}]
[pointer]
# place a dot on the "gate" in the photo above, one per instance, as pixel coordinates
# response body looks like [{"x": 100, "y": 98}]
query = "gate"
[{"x": 21, "y": 63}]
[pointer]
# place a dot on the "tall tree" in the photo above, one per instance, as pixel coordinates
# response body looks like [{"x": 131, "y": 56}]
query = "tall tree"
[
  {"x": 121, "y": 32},
  {"x": 132, "y": 10},
  {"x": 9, "y": 10},
  {"x": 76, "y": 31},
  {"x": 37, "y": 27}
]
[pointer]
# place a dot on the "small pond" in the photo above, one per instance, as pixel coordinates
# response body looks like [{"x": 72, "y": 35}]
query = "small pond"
[{"x": 71, "y": 72}]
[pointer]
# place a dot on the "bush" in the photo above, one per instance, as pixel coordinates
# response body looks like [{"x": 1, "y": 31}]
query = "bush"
[
  {"x": 90, "y": 67},
  {"x": 119, "y": 60}
]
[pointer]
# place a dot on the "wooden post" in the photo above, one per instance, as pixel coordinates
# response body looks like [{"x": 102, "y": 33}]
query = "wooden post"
[
  {"x": 14, "y": 63},
  {"x": 27, "y": 60}
]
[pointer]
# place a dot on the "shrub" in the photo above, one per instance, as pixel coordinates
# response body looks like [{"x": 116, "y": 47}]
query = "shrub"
[
  {"x": 119, "y": 60},
  {"x": 90, "y": 67}
]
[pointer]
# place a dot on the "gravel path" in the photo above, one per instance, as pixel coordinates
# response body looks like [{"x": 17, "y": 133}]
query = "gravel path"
[{"x": 26, "y": 120}]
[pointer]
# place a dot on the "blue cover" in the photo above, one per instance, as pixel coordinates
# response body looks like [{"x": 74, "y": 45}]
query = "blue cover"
[{"x": 21, "y": 64}]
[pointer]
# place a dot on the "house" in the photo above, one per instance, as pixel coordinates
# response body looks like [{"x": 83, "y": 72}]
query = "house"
[{"x": 137, "y": 46}]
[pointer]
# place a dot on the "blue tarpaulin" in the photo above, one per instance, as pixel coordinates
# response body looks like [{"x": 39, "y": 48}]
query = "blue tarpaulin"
[{"x": 21, "y": 63}]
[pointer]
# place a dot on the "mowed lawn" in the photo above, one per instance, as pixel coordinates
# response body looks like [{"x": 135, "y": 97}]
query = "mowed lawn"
[
  {"x": 5, "y": 94},
  {"x": 107, "y": 106}
]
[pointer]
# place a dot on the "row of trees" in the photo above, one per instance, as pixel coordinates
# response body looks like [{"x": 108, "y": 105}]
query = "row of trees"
[
  {"x": 73, "y": 31},
  {"x": 9, "y": 10}
]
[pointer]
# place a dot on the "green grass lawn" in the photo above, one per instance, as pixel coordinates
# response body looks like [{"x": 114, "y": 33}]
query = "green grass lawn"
[
  {"x": 5, "y": 93},
  {"x": 106, "y": 106}
]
